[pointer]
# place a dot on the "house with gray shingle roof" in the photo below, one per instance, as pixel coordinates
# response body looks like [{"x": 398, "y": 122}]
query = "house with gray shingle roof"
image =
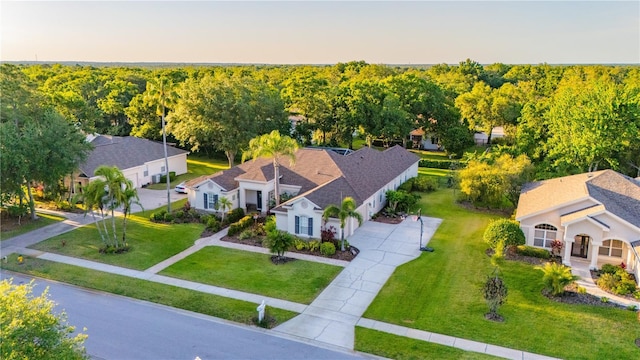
[
  {"x": 140, "y": 160},
  {"x": 318, "y": 177},
  {"x": 596, "y": 215}
]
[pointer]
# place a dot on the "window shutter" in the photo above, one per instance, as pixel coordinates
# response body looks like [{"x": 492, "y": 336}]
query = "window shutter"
[
  {"x": 310, "y": 226},
  {"x": 297, "y": 224},
  {"x": 206, "y": 201}
]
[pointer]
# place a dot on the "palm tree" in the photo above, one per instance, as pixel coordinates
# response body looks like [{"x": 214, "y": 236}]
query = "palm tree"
[
  {"x": 160, "y": 91},
  {"x": 129, "y": 197},
  {"x": 225, "y": 205},
  {"x": 272, "y": 145},
  {"x": 346, "y": 210},
  {"x": 93, "y": 197},
  {"x": 115, "y": 183}
]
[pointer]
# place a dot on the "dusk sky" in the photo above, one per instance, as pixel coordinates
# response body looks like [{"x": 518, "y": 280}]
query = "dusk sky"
[{"x": 394, "y": 32}]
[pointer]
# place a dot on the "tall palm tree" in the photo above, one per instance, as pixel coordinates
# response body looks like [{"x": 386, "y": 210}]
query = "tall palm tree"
[
  {"x": 272, "y": 145},
  {"x": 129, "y": 197},
  {"x": 160, "y": 92},
  {"x": 115, "y": 183},
  {"x": 346, "y": 210},
  {"x": 93, "y": 197}
]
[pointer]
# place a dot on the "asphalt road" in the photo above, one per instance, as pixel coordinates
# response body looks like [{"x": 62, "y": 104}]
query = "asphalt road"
[{"x": 123, "y": 328}]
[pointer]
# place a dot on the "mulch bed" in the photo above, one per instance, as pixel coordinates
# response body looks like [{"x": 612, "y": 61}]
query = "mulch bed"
[
  {"x": 388, "y": 219},
  {"x": 348, "y": 255}
]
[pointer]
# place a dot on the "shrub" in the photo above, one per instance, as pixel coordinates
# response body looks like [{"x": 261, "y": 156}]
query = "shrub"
[
  {"x": 172, "y": 176},
  {"x": 247, "y": 234},
  {"x": 328, "y": 234},
  {"x": 213, "y": 224},
  {"x": 314, "y": 245},
  {"x": 407, "y": 185},
  {"x": 186, "y": 207},
  {"x": 504, "y": 233},
  {"x": 17, "y": 210},
  {"x": 525, "y": 250},
  {"x": 168, "y": 217},
  {"x": 609, "y": 269},
  {"x": 437, "y": 164},
  {"x": 327, "y": 249},
  {"x": 235, "y": 215},
  {"x": 619, "y": 283},
  {"x": 158, "y": 216},
  {"x": 581, "y": 290},
  {"x": 556, "y": 277},
  {"x": 278, "y": 241},
  {"x": 300, "y": 244},
  {"x": 179, "y": 214},
  {"x": 425, "y": 184}
]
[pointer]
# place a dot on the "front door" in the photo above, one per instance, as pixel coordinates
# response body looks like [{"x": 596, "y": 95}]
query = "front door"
[
  {"x": 259, "y": 201},
  {"x": 580, "y": 247}
]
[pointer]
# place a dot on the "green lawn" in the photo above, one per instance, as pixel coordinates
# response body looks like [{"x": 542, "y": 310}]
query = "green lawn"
[
  {"x": 218, "y": 306},
  {"x": 400, "y": 347},
  {"x": 150, "y": 242},
  {"x": 444, "y": 292},
  {"x": 30, "y": 225},
  {"x": 299, "y": 281},
  {"x": 196, "y": 166},
  {"x": 431, "y": 155}
]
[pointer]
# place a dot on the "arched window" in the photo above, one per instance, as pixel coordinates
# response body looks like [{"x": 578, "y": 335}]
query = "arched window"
[
  {"x": 544, "y": 235},
  {"x": 611, "y": 248}
]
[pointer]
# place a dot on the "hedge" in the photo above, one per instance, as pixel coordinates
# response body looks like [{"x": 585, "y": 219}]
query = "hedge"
[
  {"x": 525, "y": 250},
  {"x": 440, "y": 164},
  {"x": 237, "y": 227}
]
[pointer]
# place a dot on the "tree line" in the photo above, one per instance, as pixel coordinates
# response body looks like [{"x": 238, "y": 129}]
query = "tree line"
[{"x": 565, "y": 119}]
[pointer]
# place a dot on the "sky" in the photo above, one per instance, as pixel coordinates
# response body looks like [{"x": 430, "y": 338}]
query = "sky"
[{"x": 322, "y": 32}]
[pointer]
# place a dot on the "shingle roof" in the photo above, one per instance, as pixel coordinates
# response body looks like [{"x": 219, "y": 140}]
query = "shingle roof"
[
  {"x": 124, "y": 152},
  {"x": 323, "y": 175},
  {"x": 619, "y": 194}
]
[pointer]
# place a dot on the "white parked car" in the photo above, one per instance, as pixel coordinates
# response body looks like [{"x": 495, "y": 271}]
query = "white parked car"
[{"x": 181, "y": 188}]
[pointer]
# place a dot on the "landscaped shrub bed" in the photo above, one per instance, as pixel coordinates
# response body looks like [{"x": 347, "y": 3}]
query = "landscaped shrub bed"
[
  {"x": 440, "y": 164},
  {"x": 213, "y": 222},
  {"x": 616, "y": 280},
  {"x": 526, "y": 250}
]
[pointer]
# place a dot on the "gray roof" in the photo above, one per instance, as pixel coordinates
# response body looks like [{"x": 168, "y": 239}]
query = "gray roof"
[
  {"x": 323, "y": 175},
  {"x": 124, "y": 152},
  {"x": 619, "y": 194}
]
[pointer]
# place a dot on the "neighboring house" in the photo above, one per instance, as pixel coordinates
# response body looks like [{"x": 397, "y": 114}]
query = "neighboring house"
[
  {"x": 424, "y": 141},
  {"x": 596, "y": 215},
  {"x": 318, "y": 178},
  {"x": 140, "y": 160},
  {"x": 481, "y": 138}
]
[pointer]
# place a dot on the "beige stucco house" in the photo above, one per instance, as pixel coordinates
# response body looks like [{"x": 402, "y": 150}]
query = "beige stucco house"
[
  {"x": 596, "y": 215},
  {"x": 318, "y": 177}
]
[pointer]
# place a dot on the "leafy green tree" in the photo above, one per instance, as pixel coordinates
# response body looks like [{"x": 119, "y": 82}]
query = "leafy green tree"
[
  {"x": 272, "y": 145},
  {"x": 488, "y": 181},
  {"x": 346, "y": 210},
  {"x": 556, "y": 277},
  {"x": 31, "y": 329}
]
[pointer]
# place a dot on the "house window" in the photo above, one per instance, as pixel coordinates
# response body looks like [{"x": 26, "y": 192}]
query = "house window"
[
  {"x": 544, "y": 234},
  {"x": 380, "y": 197},
  {"x": 304, "y": 225},
  {"x": 611, "y": 248},
  {"x": 233, "y": 197},
  {"x": 210, "y": 201},
  {"x": 163, "y": 169},
  {"x": 146, "y": 172}
]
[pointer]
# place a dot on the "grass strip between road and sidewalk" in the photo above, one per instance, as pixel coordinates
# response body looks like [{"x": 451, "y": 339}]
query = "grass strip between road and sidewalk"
[
  {"x": 298, "y": 280},
  {"x": 203, "y": 303},
  {"x": 399, "y": 347},
  {"x": 43, "y": 220}
]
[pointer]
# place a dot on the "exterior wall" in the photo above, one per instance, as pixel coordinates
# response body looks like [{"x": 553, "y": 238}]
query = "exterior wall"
[
  {"x": 552, "y": 217},
  {"x": 302, "y": 207},
  {"x": 196, "y": 196},
  {"x": 177, "y": 163}
]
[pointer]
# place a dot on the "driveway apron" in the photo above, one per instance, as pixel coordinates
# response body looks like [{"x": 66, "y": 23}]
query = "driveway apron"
[{"x": 332, "y": 316}]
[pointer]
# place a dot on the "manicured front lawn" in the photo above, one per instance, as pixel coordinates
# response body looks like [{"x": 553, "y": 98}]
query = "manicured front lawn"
[
  {"x": 27, "y": 225},
  {"x": 440, "y": 292},
  {"x": 400, "y": 347},
  {"x": 431, "y": 155},
  {"x": 150, "y": 242},
  {"x": 218, "y": 306},
  {"x": 196, "y": 166},
  {"x": 299, "y": 281}
]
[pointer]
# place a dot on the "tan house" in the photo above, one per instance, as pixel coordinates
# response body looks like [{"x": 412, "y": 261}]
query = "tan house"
[
  {"x": 319, "y": 177},
  {"x": 596, "y": 215}
]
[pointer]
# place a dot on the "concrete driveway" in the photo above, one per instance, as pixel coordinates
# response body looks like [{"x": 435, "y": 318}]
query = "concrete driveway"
[
  {"x": 332, "y": 316},
  {"x": 152, "y": 199}
]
